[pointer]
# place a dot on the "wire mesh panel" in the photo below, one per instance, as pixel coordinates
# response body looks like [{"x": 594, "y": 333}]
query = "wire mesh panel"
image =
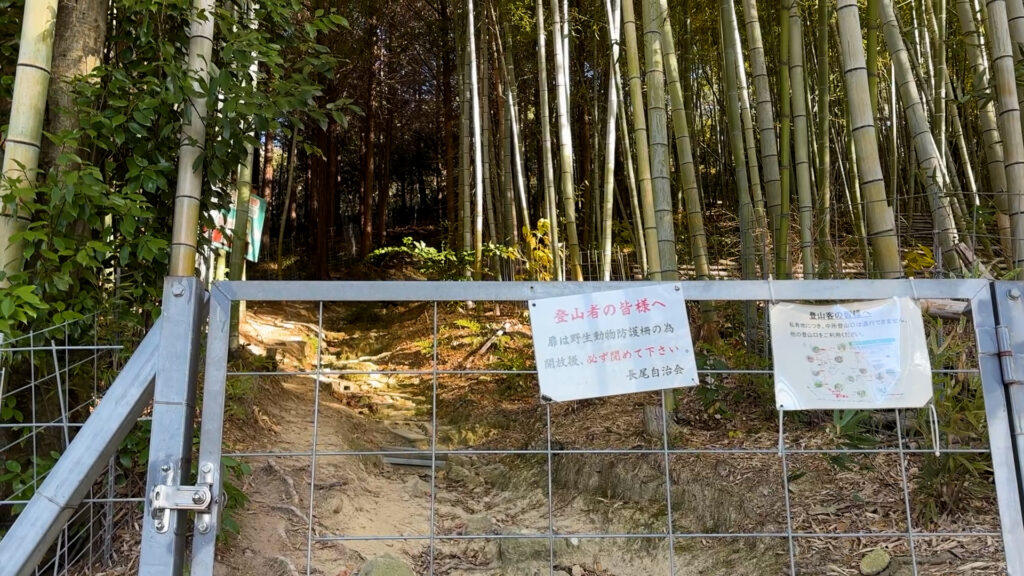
[
  {"x": 50, "y": 382},
  {"x": 400, "y": 428}
]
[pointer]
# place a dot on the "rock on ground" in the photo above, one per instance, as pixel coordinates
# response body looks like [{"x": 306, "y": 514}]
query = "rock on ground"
[
  {"x": 874, "y": 562},
  {"x": 386, "y": 565}
]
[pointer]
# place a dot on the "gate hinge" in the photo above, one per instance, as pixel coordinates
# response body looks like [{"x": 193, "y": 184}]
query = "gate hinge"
[
  {"x": 1006, "y": 356},
  {"x": 166, "y": 498}
]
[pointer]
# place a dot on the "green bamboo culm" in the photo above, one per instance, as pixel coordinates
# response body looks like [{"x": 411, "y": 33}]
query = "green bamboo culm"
[
  {"x": 781, "y": 232},
  {"x": 881, "y": 225},
  {"x": 25, "y": 132},
  {"x": 643, "y": 158},
  {"x": 658, "y": 132}
]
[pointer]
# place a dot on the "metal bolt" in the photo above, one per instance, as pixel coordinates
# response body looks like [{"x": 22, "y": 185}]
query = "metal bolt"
[
  {"x": 165, "y": 468},
  {"x": 1014, "y": 294},
  {"x": 178, "y": 289},
  {"x": 207, "y": 468},
  {"x": 198, "y": 498},
  {"x": 159, "y": 525},
  {"x": 204, "y": 526}
]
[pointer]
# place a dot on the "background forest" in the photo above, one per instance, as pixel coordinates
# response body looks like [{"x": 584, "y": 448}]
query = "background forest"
[
  {"x": 517, "y": 139},
  {"x": 709, "y": 140}
]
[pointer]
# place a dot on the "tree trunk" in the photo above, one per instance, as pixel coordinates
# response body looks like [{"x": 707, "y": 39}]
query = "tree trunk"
[
  {"x": 77, "y": 49},
  {"x": 448, "y": 76},
  {"x": 369, "y": 143},
  {"x": 267, "y": 181},
  {"x": 384, "y": 188},
  {"x": 286, "y": 208}
]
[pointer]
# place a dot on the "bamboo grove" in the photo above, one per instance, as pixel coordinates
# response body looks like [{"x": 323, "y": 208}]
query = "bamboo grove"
[
  {"x": 791, "y": 139},
  {"x": 843, "y": 138}
]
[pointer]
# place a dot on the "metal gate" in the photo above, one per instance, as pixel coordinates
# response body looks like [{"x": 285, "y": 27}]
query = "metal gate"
[{"x": 672, "y": 546}]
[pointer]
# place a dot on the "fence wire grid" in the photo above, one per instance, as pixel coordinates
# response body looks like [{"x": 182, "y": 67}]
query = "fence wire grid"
[
  {"x": 623, "y": 485},
  {"x": 50, "y": 380}
]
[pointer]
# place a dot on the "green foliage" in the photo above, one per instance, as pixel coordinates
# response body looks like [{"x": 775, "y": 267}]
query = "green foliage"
[
  {"x": 541, "y": 263},
  {"x": 850, "y": 430},
  {"x": 919, "y": 259},
  {"x": 235, "y": 472},
  {"x": 19, "y": 479},
  {"x": 434, "y": 264},
  {"x": 512, "y": 358},
  {"x": 718, "y": 393},
  {"x": 108, "y": 201},
  {"x": 944, "y": 483},
  {"x": 468, "y": 324}
]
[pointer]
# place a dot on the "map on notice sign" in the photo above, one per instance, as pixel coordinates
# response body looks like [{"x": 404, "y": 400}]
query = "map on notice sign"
[
  {"x": 861, "y": 355},
  {"x": 616, "y": 342}
]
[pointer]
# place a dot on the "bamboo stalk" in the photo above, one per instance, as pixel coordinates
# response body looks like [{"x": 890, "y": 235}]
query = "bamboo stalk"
[
  {"x": 880, "y": 222},
  {"x": 190, "y": 172},
  {"x": 614, "y": 12},
  {"x": 478, "y": 170},
  {"x": 781, "y": 233},
  {"x": 801, "y": 157},
  {"x": 684, "y": 152},
  {"x": 658, "y": 132},
  {"x": 565, "y": 147},
  {"x": 823, "y": 215},
  {"x": 992, "y": 141},
  {"x": 736, "y": 145},
  {"x": 545, "y": 130},
  {"x": 756, "y": 194},
  {"x": 25, "y": 131},
  {"x": 1009, "y": 126},
  {"x": 643, "y": 159}
]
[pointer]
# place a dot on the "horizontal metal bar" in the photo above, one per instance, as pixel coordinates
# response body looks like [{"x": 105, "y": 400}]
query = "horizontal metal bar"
[
  {"x": 739, "y": 371},
  {"x": 650, "y": 535},
  {"x": 60, "y": 348},
  {"x": 746, "y": 290},
  {"x": 124, "y": 500},
  {"x": 608, "y": 452}
]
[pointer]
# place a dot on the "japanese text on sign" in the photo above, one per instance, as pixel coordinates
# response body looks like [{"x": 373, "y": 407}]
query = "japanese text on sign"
[
  {"x": 860, "y": 355},
  {"x": 614, "y": 342}
]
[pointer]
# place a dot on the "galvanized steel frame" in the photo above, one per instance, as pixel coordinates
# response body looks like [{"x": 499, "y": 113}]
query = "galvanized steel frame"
[
  {"x": 169, "y": 356},
  {"x": 979, "y": 293}
]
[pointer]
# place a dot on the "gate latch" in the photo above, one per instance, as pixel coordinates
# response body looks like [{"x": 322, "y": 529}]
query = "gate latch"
[
  {"x": 166, "y": 498},
  {"x": 1006, "y": 356}
]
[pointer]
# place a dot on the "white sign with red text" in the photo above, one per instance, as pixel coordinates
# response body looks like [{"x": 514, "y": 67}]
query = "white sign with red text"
[
  {"x": 853, "y": 356},
  {"x": 616, "y": 342}
]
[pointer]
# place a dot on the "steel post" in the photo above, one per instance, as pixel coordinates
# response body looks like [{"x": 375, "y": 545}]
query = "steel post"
[
  {"x": 204, "y": 539},
  {"x": 1001, "y": 428},
  {"x": 170, "y": 446}
]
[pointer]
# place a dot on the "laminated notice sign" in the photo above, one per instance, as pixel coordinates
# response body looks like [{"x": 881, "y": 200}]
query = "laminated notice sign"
[
  {"x": 861, "y": 355},
  {"x": 615, "y": 342}
]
